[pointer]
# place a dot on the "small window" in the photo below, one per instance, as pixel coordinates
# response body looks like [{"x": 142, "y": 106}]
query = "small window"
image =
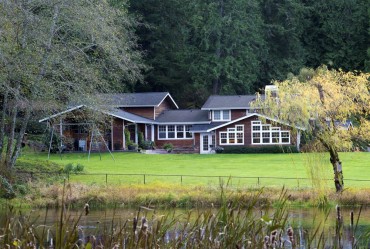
[
  {"x": 226, "y": 115},
  {"x": 162, "y": 131},
  {"x": 216, "y": 115}
]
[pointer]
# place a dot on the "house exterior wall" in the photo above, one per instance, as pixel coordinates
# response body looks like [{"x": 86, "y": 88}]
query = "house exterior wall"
[
  {"x": 177, "y": 143},
  {"x": 118, "y": 134},
  {"x": 165, "y": 105},
  {"x": 248, "y": 133},
  {"x": 235, "y": 114},
  {"x": 147, "y": 112}
]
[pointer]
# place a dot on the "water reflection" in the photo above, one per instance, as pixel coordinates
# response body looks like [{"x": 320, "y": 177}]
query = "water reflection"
[{"x": 311, "y": 225}]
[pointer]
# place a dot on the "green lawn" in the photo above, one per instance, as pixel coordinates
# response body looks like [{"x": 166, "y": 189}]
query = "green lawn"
[{"x": 355, "y": 166}]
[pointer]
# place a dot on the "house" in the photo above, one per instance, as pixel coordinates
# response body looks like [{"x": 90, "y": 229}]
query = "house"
[{"x": 222, "y": 121}]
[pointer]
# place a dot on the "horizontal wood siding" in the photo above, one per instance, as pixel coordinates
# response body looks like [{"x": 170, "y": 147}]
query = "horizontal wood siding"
[
  {"x": 248, "y": 132},
  {"x": 147, "y": 112},
  {"x": 118, "y": 134},
  {"x": 165, "y": 105},
  {"x": 235, "y": 114}
]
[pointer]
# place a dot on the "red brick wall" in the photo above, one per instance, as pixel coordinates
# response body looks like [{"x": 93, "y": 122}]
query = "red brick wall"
[
  {"x": 147, "y": 112},
  {"x": 177, "y": 143}
]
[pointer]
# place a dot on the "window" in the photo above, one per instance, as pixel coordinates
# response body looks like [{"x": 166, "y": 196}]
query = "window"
[
  {"x": 180, "y": 131},
  {"x": 188, "y": 133},
  {"x": 221, "y": 115},
  {"x": 161, "y": 131},
  {"x": 266, "y": 134},
  {"x": 174, "y": 132},
  {"x": 234, "y": 135}
]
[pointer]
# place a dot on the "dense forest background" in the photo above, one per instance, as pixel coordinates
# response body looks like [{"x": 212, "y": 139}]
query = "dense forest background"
[{"x": 200, "y": 47}]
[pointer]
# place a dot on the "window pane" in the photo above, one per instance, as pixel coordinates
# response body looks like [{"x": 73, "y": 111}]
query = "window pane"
[
  {"x": 256, "y": 128},
  {"x": 265, "y": 127},
  {"x": 187, "y": 129},
  {"x": 171, "y": 131},
  {"x": 275, "y": 137},
  {"x": 180, "y": 131},
  {"x": 216, "y": 115},
  {"x": 266, "y": 137},
  {"x": 239, "y": 128},
  {"x": 226, "y": 115}
]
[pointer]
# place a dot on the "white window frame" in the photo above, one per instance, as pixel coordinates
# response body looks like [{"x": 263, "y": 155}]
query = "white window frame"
[
  {"x": 232, "y": 135},
  {"x": 260, "y": 130},
  {"x": 185, "y": 130},
  {"x": 222, "y": 115}
]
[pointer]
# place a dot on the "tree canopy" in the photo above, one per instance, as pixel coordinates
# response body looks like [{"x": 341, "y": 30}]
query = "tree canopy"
[
  {"x": 237, "y": 47},
  {"x": 322, "y": 101},
  {"x": 53, "y": 52}
]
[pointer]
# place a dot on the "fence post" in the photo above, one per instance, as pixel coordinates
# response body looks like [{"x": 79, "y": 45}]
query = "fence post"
[
  {"x": 258, "y": 181},
  {"x": 106, "y": 179},
  {"x": 181, "y": 180},
  {"x": 68, "y": 176},
  {"x": 144, "y": 179}
]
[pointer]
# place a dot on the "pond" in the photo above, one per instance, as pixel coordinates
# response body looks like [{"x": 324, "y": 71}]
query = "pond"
[{"x": 304, "y": 222}]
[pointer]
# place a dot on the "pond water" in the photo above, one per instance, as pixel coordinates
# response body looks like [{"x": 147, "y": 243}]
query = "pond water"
[{"x": 302, "y": 220}]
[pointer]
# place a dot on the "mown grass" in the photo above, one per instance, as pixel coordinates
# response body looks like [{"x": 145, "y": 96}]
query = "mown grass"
[{"x": 294, "y": 166}]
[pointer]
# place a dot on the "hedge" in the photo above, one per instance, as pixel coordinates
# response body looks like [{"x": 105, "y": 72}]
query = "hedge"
[{"x": 260, "y": 149}]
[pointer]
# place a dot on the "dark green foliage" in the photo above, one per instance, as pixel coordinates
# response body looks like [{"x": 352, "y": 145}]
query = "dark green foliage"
[
  {"x": 202, "y": 47},
  {"x": 168, "y": 147},
  {"x": 6, "y": 189},
  {"x": 72, "y": 167},
  {"x": 262, "y": 149},
  {"x": 338, "y": 34}
]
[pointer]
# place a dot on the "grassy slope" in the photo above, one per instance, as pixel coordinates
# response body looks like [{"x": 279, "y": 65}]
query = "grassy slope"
[{"x": 355, "y": 166}]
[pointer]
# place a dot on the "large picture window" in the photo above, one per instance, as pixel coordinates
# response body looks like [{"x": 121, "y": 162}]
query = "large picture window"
[
  {"x": 221, "y": 115},
  {"x": 267, "y": 134},
  {"x": 232, "y": 136},
  {"x": 174, "y": 132}
]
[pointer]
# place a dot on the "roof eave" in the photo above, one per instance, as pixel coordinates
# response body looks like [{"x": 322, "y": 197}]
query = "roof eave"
[{"x": 173, "y": 101}]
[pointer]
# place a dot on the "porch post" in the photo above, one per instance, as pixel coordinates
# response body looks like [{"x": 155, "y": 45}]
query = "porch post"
[
  {"x": 136, "y": 135},
  {"x": 123, "y": 135},
  {"x": 61, "y": 133},
  {"x": 111, "y": 134},
  {"x": 152, "y": 133}
]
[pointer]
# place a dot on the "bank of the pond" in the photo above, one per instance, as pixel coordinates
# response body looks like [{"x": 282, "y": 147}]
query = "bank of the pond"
[{"x": 175, "y": 195}]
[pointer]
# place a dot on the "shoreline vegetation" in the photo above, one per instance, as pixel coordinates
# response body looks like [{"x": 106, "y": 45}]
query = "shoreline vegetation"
[
  {"x": 174, "y": 195},
  {"x": 234, "y": 224}
]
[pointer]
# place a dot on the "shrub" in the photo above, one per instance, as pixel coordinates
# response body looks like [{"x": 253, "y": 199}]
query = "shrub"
[
  {"x": 168, "y": 147},
  {"x": 260, "y": 149},
  {"x": 6, "y": 189},
  {"x": 68, "y": 168},
  {"x": 78, "y": 168}
]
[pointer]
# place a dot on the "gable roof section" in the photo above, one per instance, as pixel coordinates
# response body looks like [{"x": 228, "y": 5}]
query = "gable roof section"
[
  {"x": 149, "y": 99},
  {"x": 113, "y": 112},
  {"x": 197, "y": 128},
  {"x": 183, "y": 117},
  {"x": 220, "y": 102},
  {"x": 251, "y": 115}
]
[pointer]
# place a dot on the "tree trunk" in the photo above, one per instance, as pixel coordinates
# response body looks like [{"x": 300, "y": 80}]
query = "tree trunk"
[
  {"x": 19, "y": 139},
  {"x": 2, "y": 122},
  {"x": 337, "y": 168},
  {"x": 11, "y": 137}
]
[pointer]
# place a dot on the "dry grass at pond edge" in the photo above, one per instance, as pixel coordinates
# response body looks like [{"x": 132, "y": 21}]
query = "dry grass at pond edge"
[{"x": 174, "y": 195}]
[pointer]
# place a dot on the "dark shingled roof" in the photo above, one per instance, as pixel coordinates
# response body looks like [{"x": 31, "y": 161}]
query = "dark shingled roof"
[
  {"x": 135, "y": 99},
  {"x": 205, "y": 127},
  {"x": 128, "y": 116},
  {"x": 183, "y": 116},
  {"x": 228, "y": 102}
]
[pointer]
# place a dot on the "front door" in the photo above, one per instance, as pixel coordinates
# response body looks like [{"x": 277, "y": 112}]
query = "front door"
[{"x": 206, "y": 143}]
